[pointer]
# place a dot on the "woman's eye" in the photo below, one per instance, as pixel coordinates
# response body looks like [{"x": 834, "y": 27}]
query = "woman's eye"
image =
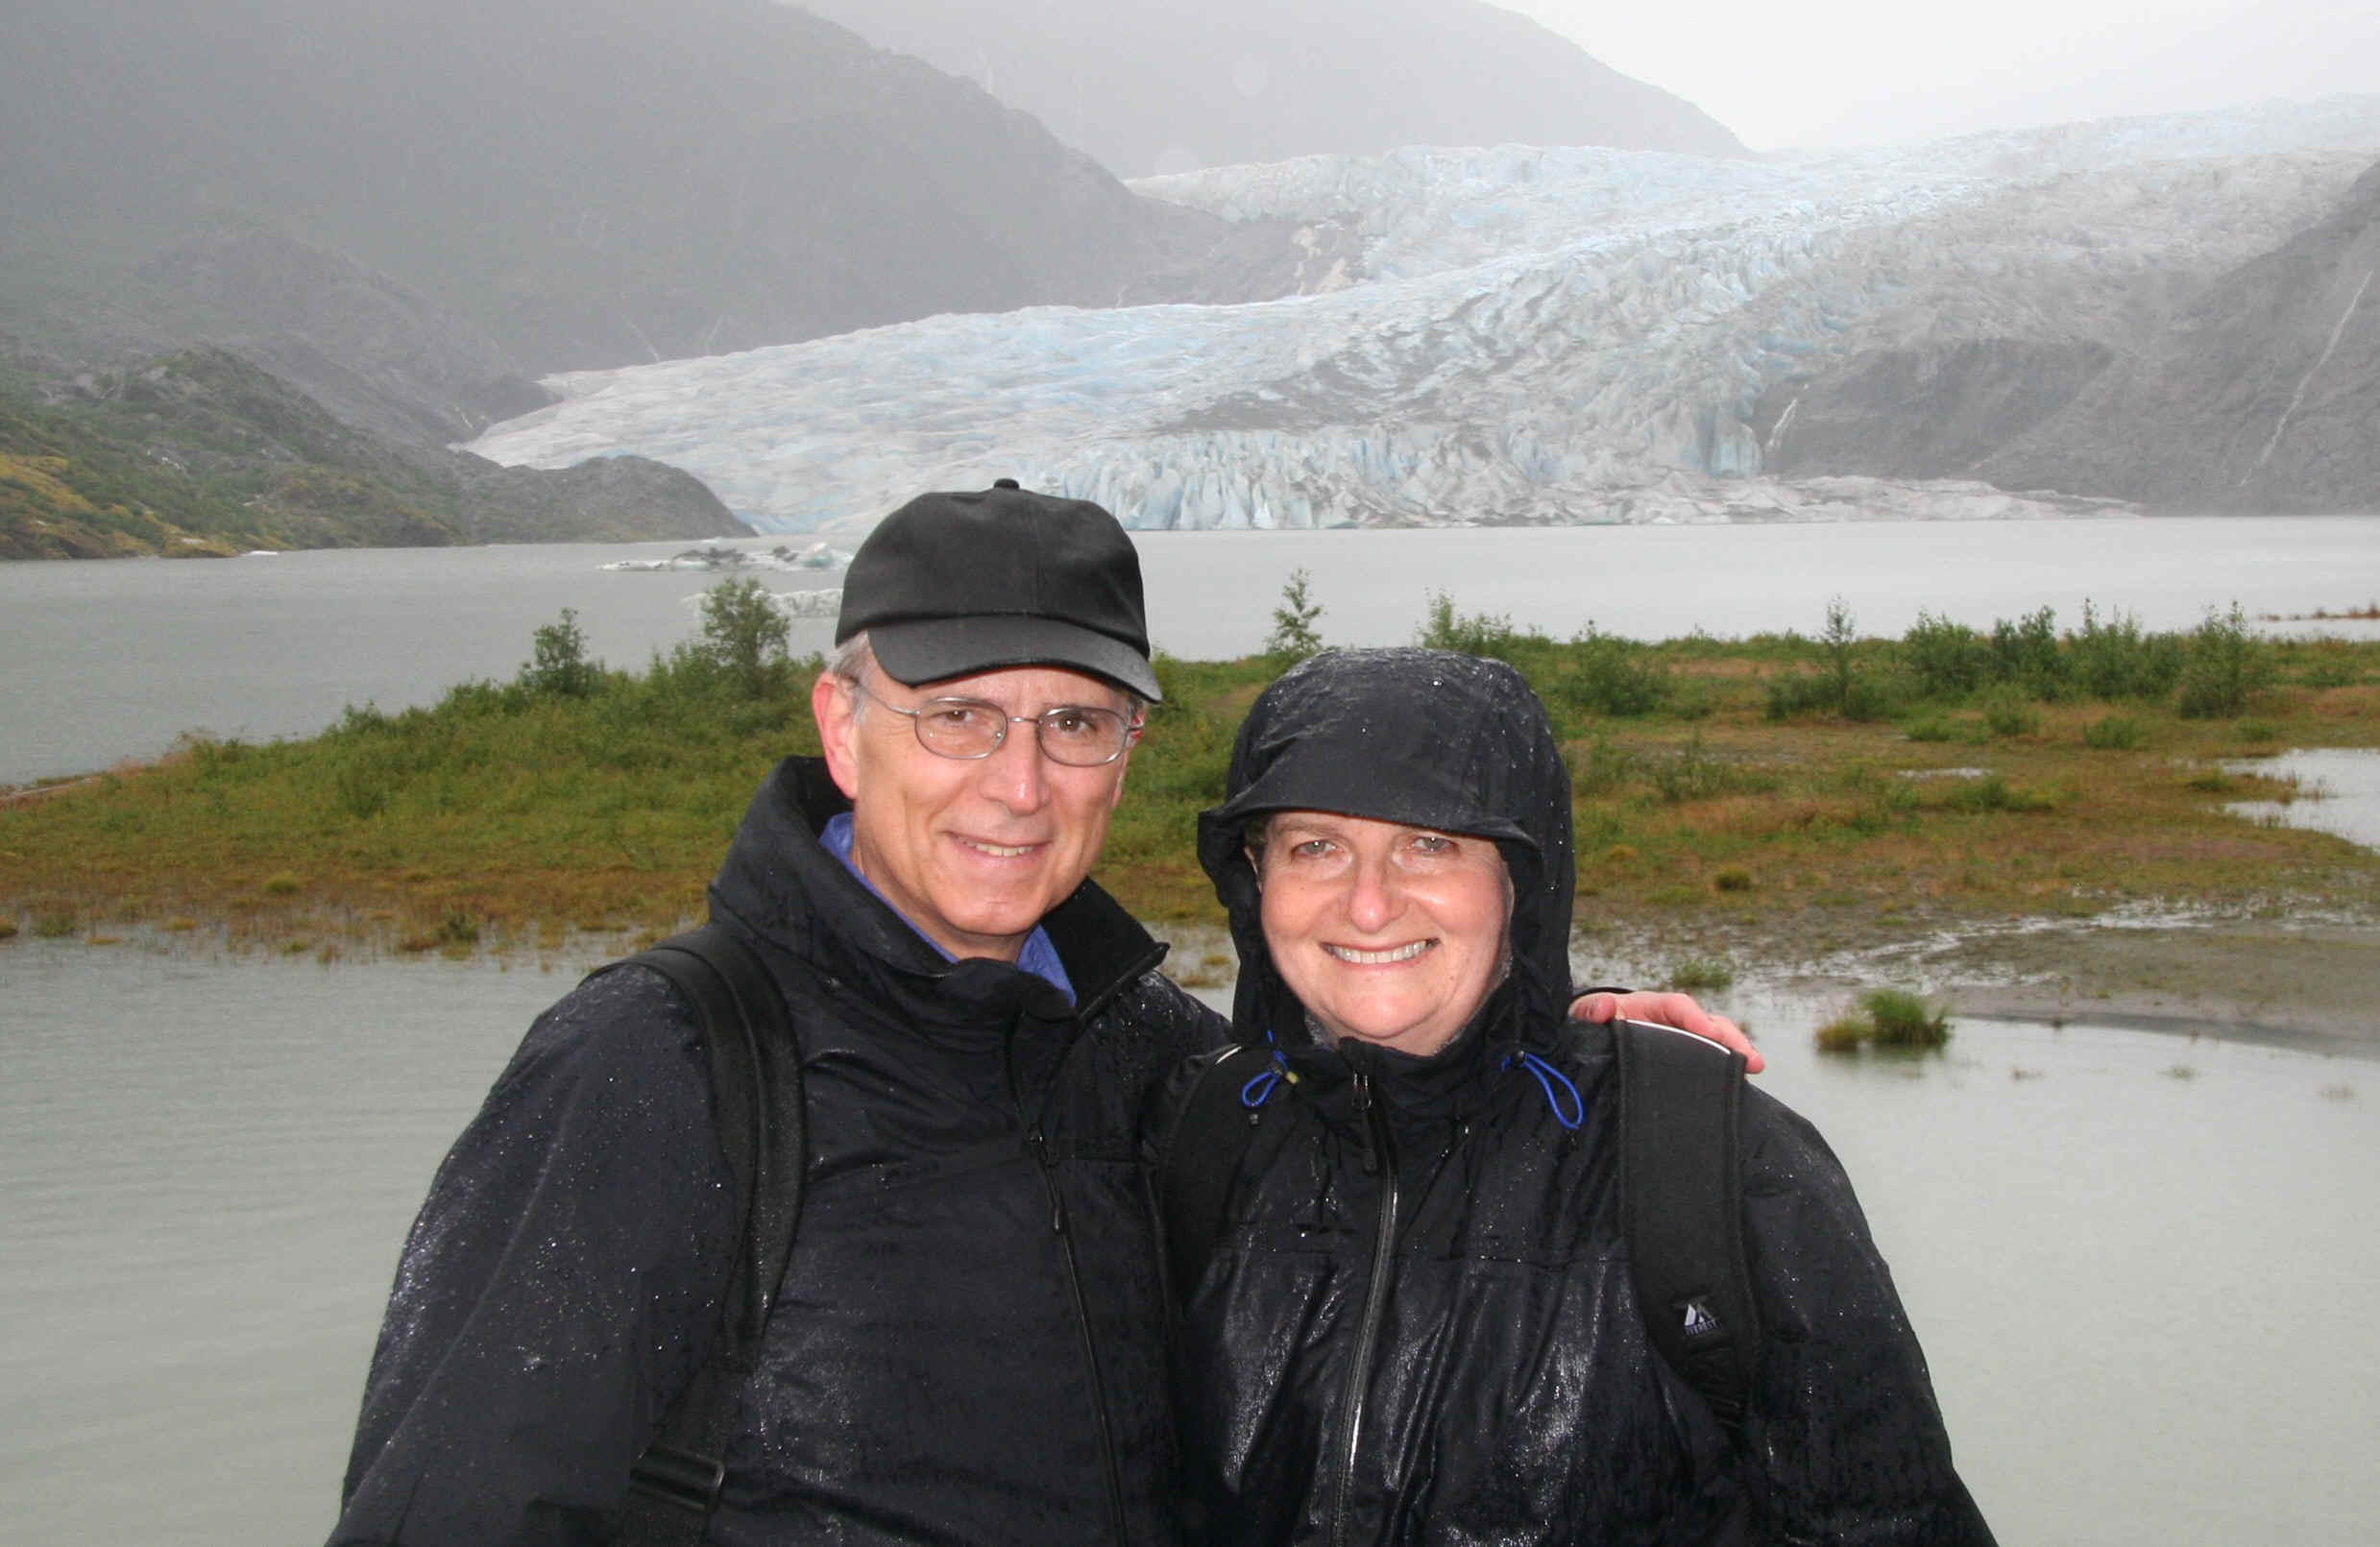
[
  {"x": 1310, "y": 849},
  {"x": 1433, "y": 843}
]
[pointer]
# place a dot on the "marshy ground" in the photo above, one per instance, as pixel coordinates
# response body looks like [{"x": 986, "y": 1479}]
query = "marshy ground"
[{"x": 2028, "y": 820}]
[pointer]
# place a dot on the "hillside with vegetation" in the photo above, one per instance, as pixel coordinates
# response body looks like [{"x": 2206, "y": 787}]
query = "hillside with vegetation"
[{"x": 200, "y": 454}]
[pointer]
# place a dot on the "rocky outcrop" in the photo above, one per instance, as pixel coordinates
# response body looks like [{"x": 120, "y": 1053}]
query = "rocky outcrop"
[
  {"x": 2262, "y": 395},
  {"x": 1930, "y": 412},
  {"x": 603, "y": 499},
  {"x": 1171, "y": 86}
]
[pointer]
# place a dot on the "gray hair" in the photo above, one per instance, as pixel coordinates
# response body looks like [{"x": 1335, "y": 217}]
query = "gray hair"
[{"x": 852, "y": 657}]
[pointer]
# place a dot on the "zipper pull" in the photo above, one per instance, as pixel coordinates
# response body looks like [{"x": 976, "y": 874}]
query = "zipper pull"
[
  {"x": 1048, "y": 1161},
  {"x": 1362, "y": 1123}
]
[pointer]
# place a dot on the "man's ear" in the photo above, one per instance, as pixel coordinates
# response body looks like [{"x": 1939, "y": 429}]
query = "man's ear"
[{"x": 836, "y": 707}]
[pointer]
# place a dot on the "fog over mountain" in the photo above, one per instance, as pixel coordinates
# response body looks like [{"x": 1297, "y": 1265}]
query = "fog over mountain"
[
  {"x": 583, "y": 181},
  {"x": 1554, "y": 335},
  {"x": 1171, "y": 86}
]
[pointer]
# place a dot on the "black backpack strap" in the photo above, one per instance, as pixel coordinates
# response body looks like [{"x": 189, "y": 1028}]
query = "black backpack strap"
[
  {"x": 1200, "y": 1161},
  {"x": 757, "y": 1107},
  {"x": 1682, "y": 1209}
]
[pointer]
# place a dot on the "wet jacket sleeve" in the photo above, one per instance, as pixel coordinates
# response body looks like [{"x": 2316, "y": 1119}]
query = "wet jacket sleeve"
[
  {"x": 557, "y": 1290},
  {"x": 1850, "y": 1442}
]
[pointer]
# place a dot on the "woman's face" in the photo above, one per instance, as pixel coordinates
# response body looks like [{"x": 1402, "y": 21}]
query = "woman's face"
[{"x": 1387, "y": 933}]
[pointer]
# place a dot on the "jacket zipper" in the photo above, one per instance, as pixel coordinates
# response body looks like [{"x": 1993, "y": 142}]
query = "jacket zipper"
[
  {"x": 1376, "y": 1296},
  {"x": 1108, "y": 1467}
]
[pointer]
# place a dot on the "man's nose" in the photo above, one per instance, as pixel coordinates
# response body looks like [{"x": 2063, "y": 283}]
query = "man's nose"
[{"x": 1016, "y": 774}]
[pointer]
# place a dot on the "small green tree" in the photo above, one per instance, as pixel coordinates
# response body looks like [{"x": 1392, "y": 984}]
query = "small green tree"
[
  {"x": 2228, "y": 665},
  {"x": 558, "y": 667},
  {"x": 1294, "y": 634},
  {"x": 746, "y": 633},
  {"x": 1840, "y": 635}
]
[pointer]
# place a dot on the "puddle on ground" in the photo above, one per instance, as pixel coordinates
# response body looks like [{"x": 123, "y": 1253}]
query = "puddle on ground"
[{"x": 2339, "y": 792}]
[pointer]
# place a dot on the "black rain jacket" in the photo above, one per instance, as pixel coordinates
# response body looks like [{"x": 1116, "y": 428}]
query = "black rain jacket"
[
  {"x": 1418, "y": 1324},
  {"x": 968, "y": 1344}
]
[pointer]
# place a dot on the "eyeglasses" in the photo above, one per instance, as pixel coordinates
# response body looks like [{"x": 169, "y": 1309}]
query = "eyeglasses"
[{"x": 1077, "y": 736}]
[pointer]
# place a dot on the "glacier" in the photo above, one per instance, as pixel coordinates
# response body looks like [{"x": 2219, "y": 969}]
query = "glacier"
[{"x": 1534, "y": 335}]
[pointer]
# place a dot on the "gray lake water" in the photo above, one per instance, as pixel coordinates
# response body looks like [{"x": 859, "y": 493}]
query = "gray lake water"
[
  {"x": 100, "y": 661},
  {"x": 2139, "y": 1262},
  {"x": 2337, "y": 791}
]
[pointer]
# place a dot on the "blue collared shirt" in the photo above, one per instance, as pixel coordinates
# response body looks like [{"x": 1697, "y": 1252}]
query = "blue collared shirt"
[{"x": 1038, "y": 956}]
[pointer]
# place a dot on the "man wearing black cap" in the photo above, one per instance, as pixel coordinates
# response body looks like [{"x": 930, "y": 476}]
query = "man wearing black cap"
[{"x": 966, "y": 1344}]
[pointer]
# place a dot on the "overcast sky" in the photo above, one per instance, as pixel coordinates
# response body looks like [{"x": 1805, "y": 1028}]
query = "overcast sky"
[{"x": 1784, "y": 73}]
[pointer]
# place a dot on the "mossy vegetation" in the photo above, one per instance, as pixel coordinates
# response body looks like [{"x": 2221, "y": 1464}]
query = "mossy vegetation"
[
  {"x": 1891, "y": 1018},
  {"x": 581, "y": 797}
]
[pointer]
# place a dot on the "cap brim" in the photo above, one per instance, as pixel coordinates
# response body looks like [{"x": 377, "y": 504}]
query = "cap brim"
[{"x": 938, "y": 648}]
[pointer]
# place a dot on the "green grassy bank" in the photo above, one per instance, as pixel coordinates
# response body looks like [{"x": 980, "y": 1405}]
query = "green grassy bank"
[{"x": 1827, "y": 788}]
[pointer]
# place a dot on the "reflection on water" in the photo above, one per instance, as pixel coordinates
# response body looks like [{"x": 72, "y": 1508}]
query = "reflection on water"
[
  {"x": 2137, "y": 1261},
  {"x": 2337, "y": 792}
]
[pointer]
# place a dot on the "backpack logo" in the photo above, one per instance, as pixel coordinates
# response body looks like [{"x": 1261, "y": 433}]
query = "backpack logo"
[{"x": 1699, "y": 1321}]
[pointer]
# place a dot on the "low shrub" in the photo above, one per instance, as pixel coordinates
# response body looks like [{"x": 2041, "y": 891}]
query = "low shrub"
[
  {"x": 2113, "y": 658},
  {"x": 1700, "y": 975},
  {"x": 1931, "y": 728},
  {"x": 1611, "y": 676},
  {"x": 1487, "y": 633},
  {"x": 2113, "y": 733},
  {"x": 1888, "y": 1018},
  {"x": 1695, "y": 772},
  {"x": 2226, "y": 666},
  {"x": 2006, "y": 715},
  {"x": 1732, "y": 880},
  {"x": 1945, "y": 659},
  {"x": 1845, "y": 1033},
  {"x": 1905, "y": 1020},
  {"x": 1994, "y": 793},
  {"x": 2024, "y": 654}
]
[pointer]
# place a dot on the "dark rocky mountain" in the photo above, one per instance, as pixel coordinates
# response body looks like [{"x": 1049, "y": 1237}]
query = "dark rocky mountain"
[
  {"x": 1923, "y": 411},
  {"x": 2262, "y": 395},
  {"x": 1168, "y": 85},
  {"x": 582, "y": 182},
  {"x": 2257, "y": 390}
]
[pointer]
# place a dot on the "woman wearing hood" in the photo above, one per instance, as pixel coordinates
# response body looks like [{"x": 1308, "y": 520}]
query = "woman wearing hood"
[{"x": 1408, "y": 1316}]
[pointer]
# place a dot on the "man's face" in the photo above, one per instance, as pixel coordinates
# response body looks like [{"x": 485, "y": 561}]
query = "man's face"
[{"x": 972, "y": 851}]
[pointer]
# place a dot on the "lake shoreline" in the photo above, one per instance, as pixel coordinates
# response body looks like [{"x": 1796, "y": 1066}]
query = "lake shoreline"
[{"x": 2309, "y": 987}]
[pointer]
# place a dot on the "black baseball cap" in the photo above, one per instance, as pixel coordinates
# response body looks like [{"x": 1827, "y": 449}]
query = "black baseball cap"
[{"x": 953, "y": 584}]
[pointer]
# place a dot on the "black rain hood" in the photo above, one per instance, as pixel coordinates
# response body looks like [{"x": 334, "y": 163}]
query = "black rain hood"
[{"x": 1429, "y": 738}]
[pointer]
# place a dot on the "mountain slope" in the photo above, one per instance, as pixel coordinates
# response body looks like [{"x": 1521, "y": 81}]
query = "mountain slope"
[
  {"x": 1170, "y": 85},
  {"x": 2262, "y": 395},
  {"x": 203, "y": 453},
  {"x": 585, "y": 183}
]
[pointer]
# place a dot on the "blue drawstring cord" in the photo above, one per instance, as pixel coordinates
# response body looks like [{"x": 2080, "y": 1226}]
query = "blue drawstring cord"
[
  {"x": 1547, "y": 1077},
  {"x": 1259, "y": 1089}
]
